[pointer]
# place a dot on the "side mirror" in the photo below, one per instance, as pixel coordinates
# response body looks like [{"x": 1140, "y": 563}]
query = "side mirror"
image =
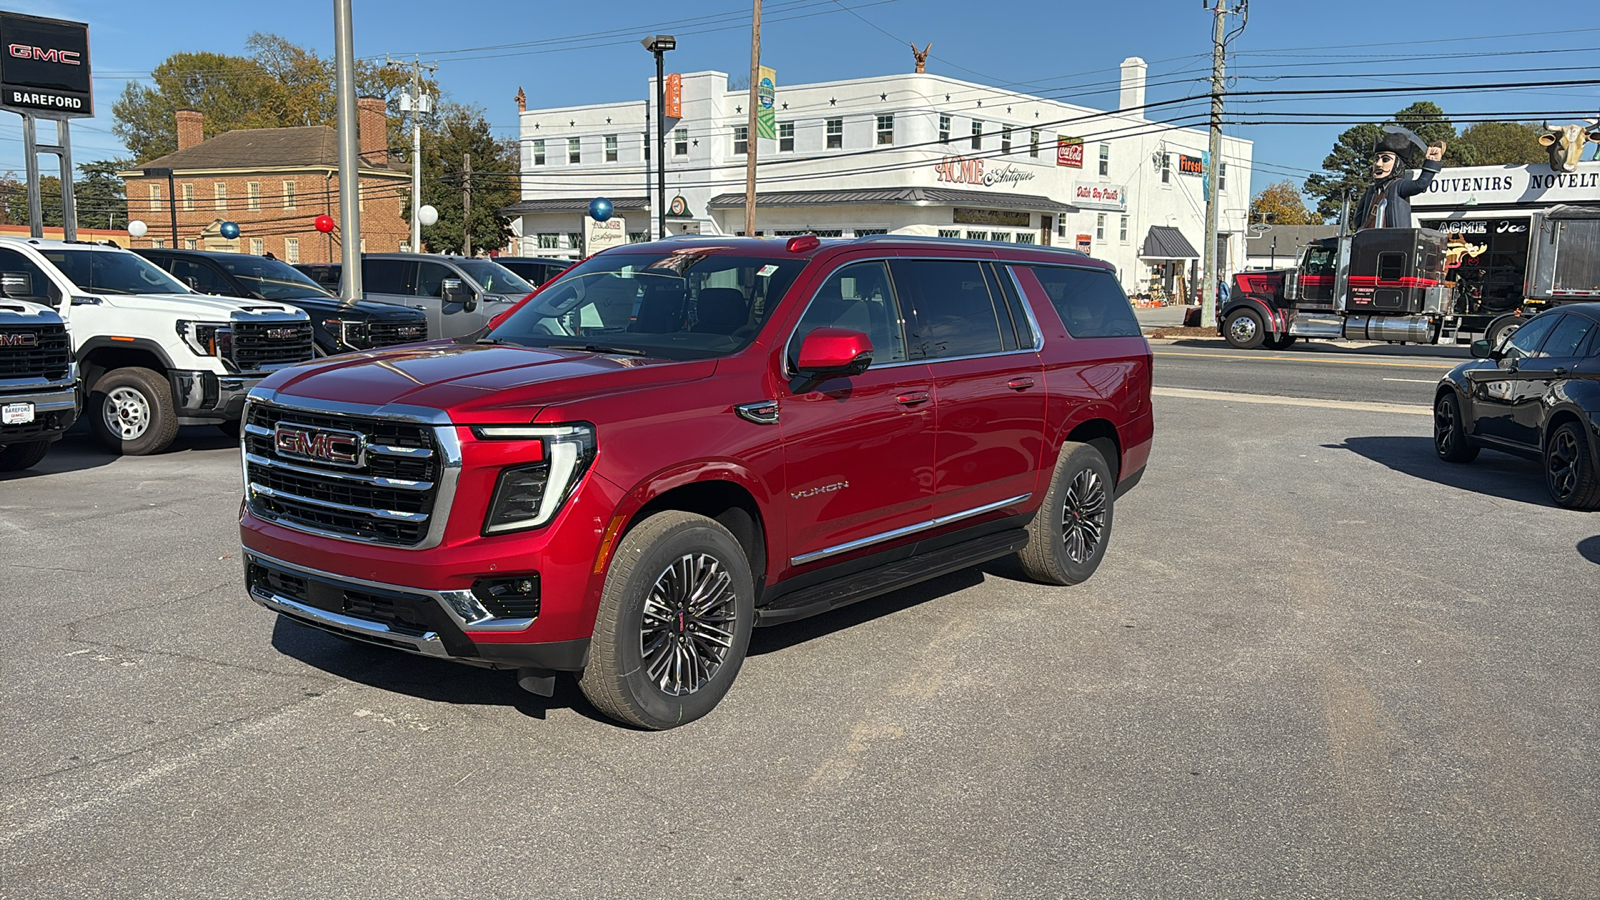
[
  {"x": 1482, "y": 350},
  {"x": 828, "y": 352},
  {"x": 16, "y": 284},
  {"x": 454, "y": 290},
  {"x": 1291, "y": 286}
]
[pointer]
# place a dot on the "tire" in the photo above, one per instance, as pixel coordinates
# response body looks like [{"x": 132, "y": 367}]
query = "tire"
[
  {"x": 1502, "y": 328},
  {"x": 1279, "y": 342},
  {"x": 1569, "y": 472},
  {"x": 132, "y": 412},
  {"x": 647, "y": 626},
  {"x": 1244, "y": 330},
  {"x": 231, "y": 428},
  {"x": 1068, "y": 535},
  {"x": 26, "y": 455},
  {"x": 1450, "y": 439}
]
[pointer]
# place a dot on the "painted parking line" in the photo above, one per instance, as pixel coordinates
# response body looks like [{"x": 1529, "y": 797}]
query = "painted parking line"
[
  {"x": 1415, "y": 380},
  {"x": 1311, "y": 359},
  {"x": 1275, "y": 400}
]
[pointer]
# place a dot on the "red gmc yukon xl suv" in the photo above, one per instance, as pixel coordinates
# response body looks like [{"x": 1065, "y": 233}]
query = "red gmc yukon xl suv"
[{"x": 677, "y": 441}]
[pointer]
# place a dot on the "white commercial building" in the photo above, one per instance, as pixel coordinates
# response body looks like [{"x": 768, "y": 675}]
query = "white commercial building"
[{"x": 914, "y": 154}]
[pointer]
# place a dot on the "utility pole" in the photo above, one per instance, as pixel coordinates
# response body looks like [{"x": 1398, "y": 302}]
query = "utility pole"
[
  {"x": 416, "y": 103},
  {"x": 349, "y": 170},
  {"x": 466, "y": 204},
  {"x": 1208, "y": 281},
  {"x": 751, "y": 139}
]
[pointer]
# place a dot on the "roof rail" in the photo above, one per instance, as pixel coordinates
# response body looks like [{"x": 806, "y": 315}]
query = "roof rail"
[{"x": 966, "y": 242}]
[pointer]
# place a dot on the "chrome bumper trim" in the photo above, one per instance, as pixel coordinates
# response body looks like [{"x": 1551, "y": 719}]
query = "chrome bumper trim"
[{"x": 858, "y": 544}]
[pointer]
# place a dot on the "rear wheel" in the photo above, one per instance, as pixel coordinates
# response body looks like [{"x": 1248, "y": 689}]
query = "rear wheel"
[
  {"x": 674, "y": 622},
  {"x": 132, "y": 411},
  {"x": 15, "y": 457},
  {"x": 1068, "y": 535},
  {"x": 1243, "y": 329},
  {"x": 1449, "y": 432},
  {"x": 1569, "y": 472},
  {"x": 1502, "y": 328}
]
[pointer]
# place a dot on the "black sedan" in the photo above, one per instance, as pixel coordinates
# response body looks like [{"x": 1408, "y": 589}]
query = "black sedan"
[
  {"x": 337, "y": 327},
  {"x": 1536, "y": 395}
]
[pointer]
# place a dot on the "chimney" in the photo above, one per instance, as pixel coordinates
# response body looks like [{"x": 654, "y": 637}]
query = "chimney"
[
  {"x": 372, "y": 128},
  {"x": 1131, "y": 96},
  {"x": 191, "y": 127}
]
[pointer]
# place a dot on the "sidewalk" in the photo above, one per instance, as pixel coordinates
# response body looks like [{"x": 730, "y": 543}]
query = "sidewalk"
[{"x": 1159, "y": 316}]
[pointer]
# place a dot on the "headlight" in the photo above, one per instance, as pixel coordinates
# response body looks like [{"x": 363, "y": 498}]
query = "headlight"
[
  {"x": 207, "y": 338},
  {"x": 529, "y": 496},
  {"x": 352, "y": 333}
]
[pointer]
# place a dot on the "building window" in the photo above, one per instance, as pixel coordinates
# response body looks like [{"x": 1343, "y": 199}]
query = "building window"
[
  {"x": 155, "y": 198},
  {"x": 977, "y": 235},
  {"x": 252, "y": 194},
  {"x": 949, "y": 232},
  {"x": 680, "y": 142},
  {"x": 538, "y": 152},
  {"x": 1061, "y": 226},
  {"x": 1001, "y": 236},
  {"x": 785, "y": 136},
  {"x": 1222, "y": 176},
  {"x": 157, "y": 243},
  {"x": 886, "y": 129},
  {"x": 1122, "y": 230},
  {"x": 219, "y": 191},
  {"x": 258, "y": 246},
  {"x": 548, "y": 240},
  {"x": 611, "y": 148},
  {"x": 1166, "y": 168},
  {"x": 1105, "y": 159},
  {"x": 574, "y": 240},
  {"x": 835, "y": 131},
  {"x": 189, "y": 243},
  {"x": 288, "y": 195},
  {"x": 1033, "y": 143},
  {"x": 574, "y": 152},
  {"x": 638, "y": 237},
  {"x": 862, "y": 232},
  {"x": 1025, "y": 237},
  {"x": 1100, "y": 226},
  {"x": 977, "y": 135},
  {"x": 291, "y": 251},
  {"x": 944, "y": 131},
  {"x": 741, "y": 140},
  {"x": 188, "y": 196},
  {"x": 1005, "y": 140}
]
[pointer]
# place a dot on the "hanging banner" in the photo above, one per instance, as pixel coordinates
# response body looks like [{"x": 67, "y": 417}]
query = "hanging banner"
[
  {"x": 766, "y": 92},
  {"x": 674, "y": 104}
]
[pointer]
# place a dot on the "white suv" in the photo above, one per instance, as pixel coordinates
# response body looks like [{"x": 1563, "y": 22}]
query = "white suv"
[{"x": 153, "y": 353}]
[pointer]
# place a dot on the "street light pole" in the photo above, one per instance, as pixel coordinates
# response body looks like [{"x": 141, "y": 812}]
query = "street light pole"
[{"x": 659, "y": 45}]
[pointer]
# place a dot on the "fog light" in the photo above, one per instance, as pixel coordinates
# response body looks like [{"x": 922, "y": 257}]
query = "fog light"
[{"x": 511, "y": 597}]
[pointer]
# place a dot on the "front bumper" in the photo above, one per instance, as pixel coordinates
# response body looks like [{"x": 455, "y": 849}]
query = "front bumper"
[
  {"x": 204, "y": 398},
  {"x": 56, "y": 406}
]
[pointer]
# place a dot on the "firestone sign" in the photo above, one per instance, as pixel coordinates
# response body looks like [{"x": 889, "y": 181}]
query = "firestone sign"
[{"x": 44, "y": 67}]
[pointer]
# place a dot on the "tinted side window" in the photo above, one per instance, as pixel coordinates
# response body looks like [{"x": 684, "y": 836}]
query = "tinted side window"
[
  {"x": 857, "y": 297},
  {"x": 1525, "y": 342},
  {"x": 949, "y": 310},
  {"x": 1568, "y": 337},
  {"x": 1004, "y": 286},
  {"x": 199, "y": 276},
  {"x": 1090, "y": 301},
  {"x": 40, "y": 289},
  {"x": 386, "y": 276},
  {"x": 1319, "y": 262},
  {"x": 430, "y": 278}
]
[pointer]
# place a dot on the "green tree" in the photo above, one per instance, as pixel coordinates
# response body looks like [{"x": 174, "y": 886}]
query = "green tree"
[
  {"x": 1504, "y": 143},
  {"x": 100, "y": 195},
  {"x": 1346, "y": 170},
  {"x": 1430, "y": 123},
  {"x": 462, "y": 130},
  {"x": 1279, "y": 204},
  {"x": 49, "y": 201}
]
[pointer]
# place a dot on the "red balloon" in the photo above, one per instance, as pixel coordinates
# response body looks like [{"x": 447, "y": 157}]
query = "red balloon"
[{"x": 324, "y": 224}]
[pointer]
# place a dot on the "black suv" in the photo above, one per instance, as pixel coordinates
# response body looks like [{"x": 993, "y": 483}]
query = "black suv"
[
  {"x": 535, "y": 270},
  {"x": 338, "y": 327},
  {"x": 1535, "y": 395}
]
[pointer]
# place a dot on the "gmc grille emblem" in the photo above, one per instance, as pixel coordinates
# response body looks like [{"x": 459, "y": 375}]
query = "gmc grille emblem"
[
  {"x": 336, "y": 448},
  {"x": 282, "y": 334},
  {"x": 18, "y": 339}
]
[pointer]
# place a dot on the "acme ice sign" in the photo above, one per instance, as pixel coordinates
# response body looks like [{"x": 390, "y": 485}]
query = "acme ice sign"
[
  {"x": 959, "y": 170},
  {"x": 1530, "y": 185},
  {"x": 44, "y": 67}
]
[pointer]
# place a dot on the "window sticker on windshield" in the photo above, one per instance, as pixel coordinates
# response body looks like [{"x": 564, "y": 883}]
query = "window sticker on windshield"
[{"x": 766, "y": 270}]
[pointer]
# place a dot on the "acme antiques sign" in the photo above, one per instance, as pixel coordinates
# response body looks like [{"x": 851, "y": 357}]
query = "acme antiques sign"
[{"x": 960, "y": 170}]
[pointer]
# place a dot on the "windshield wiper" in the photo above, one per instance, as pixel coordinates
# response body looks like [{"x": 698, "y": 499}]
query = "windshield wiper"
[{"x": 599, "y": 348}]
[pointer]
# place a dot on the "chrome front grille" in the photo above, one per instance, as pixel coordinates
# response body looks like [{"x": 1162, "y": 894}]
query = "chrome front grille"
[
  {"x": 385, "y": 334},
  {"x": 258, "y": 345},
  {"x": 386, "y": 494},
  {"x": 35, "y": 351}
]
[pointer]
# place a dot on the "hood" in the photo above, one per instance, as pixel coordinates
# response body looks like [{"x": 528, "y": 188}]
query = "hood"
[
  {"x": 476, "y": 383},
  {"x": 204, "y": 307},
  {"x": 21, "y": 312},
  {"x": 321, "y": 307}
]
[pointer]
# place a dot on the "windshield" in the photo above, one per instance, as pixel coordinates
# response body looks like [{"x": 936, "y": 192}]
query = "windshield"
[
  {"x": 495, "y": 278},
  {"x": 271, "y": 279},
  {"x": 692, "y": 303},
  {"x": 114, "y": 272}
]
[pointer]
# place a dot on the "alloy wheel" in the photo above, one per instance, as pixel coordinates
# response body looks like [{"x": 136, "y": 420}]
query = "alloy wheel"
[
  {"x": 1561, "y": 464},
  {"x": 1083, "y": 515},
  {"x": 1444, "y": 426},
  {"x": 1242, "y": 330},
  {"x": 688, "y": 624},
  {"x": 126, "y": 413}
]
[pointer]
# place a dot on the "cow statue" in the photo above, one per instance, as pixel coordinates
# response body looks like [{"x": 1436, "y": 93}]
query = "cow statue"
[{"x": 1566, "y": 144}]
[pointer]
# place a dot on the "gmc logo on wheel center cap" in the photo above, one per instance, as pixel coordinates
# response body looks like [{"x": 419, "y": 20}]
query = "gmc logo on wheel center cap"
[{"x": 336, "y": 448}]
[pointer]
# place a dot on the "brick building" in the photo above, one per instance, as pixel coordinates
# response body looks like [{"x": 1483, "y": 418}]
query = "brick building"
[{"x": 272, "y": 182}]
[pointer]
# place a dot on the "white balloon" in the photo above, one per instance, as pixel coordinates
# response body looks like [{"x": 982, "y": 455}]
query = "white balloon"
[
  {"x": 427, "y": 215},
  {"x": 137, "y": 228}
]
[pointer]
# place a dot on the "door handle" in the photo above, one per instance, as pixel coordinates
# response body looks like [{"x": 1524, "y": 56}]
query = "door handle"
[
  {"x": 912, "y": 399},
  {"x": 1020, "y": 384},
  {"x": 1559, "y": 371}
]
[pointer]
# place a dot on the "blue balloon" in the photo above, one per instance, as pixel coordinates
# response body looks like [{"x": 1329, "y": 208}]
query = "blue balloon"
[
  {"x": 599, "y": 209},
  {"x": 230, "y": 230}
]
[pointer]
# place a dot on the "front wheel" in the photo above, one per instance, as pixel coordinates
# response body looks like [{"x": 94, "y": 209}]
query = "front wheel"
[
  {"x": 1569, "y": 472},
  {"x": 1449, "y": 432},
  {"x": 674, "y": 622},
  {"x": 26, "y": 455},
  {"x": 1068, "y": 535},
  {"x": 132, "y": 411},
  {"x": 1243, "y": 329}
]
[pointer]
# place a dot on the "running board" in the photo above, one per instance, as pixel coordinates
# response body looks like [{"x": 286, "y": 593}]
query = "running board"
[{"x": 892, "y": 577}]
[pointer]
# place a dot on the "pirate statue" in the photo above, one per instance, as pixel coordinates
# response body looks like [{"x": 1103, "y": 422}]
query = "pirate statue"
[{"x": 1387, "y": 203}]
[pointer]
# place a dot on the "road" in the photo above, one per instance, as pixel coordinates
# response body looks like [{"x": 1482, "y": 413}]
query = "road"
[
  {"x": 1317, "y": 663},
  {"x": 1393, "y": 374}
]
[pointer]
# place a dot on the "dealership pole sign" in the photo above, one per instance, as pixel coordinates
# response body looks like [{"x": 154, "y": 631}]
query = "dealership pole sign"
[{"x": 44, "y": 69}]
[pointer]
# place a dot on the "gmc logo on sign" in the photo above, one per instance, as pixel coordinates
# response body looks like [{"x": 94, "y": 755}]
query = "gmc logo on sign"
[
  {"x": 19, "y": 339},
  {"x": 336, "y": 448},
  {"x": 65, "y": 57}
]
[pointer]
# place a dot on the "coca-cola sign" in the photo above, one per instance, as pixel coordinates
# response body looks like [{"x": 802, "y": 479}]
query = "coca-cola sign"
[{"x": 1069, "y": 151}]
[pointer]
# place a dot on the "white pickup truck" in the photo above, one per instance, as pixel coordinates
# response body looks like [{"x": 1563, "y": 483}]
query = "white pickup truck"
[
  {"x": 153, "y": 354},
  {"x": 39, "y": 397}
]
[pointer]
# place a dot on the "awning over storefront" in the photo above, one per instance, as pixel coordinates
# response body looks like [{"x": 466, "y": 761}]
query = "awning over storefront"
[
  {"x": 570, "y": 204},
  {"x": 1167, "y": 242},
  {"x": 902, "y": 196}
]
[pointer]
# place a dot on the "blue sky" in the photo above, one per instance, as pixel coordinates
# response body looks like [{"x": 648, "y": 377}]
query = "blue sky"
[{"x": 589, "y": 53}]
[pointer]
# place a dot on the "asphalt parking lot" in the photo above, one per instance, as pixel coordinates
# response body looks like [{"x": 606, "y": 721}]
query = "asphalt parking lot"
[{"x": 1316, "y": 663}]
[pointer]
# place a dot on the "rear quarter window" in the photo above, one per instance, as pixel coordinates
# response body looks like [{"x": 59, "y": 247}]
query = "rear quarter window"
[{"x": 1090, "y": 301}]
